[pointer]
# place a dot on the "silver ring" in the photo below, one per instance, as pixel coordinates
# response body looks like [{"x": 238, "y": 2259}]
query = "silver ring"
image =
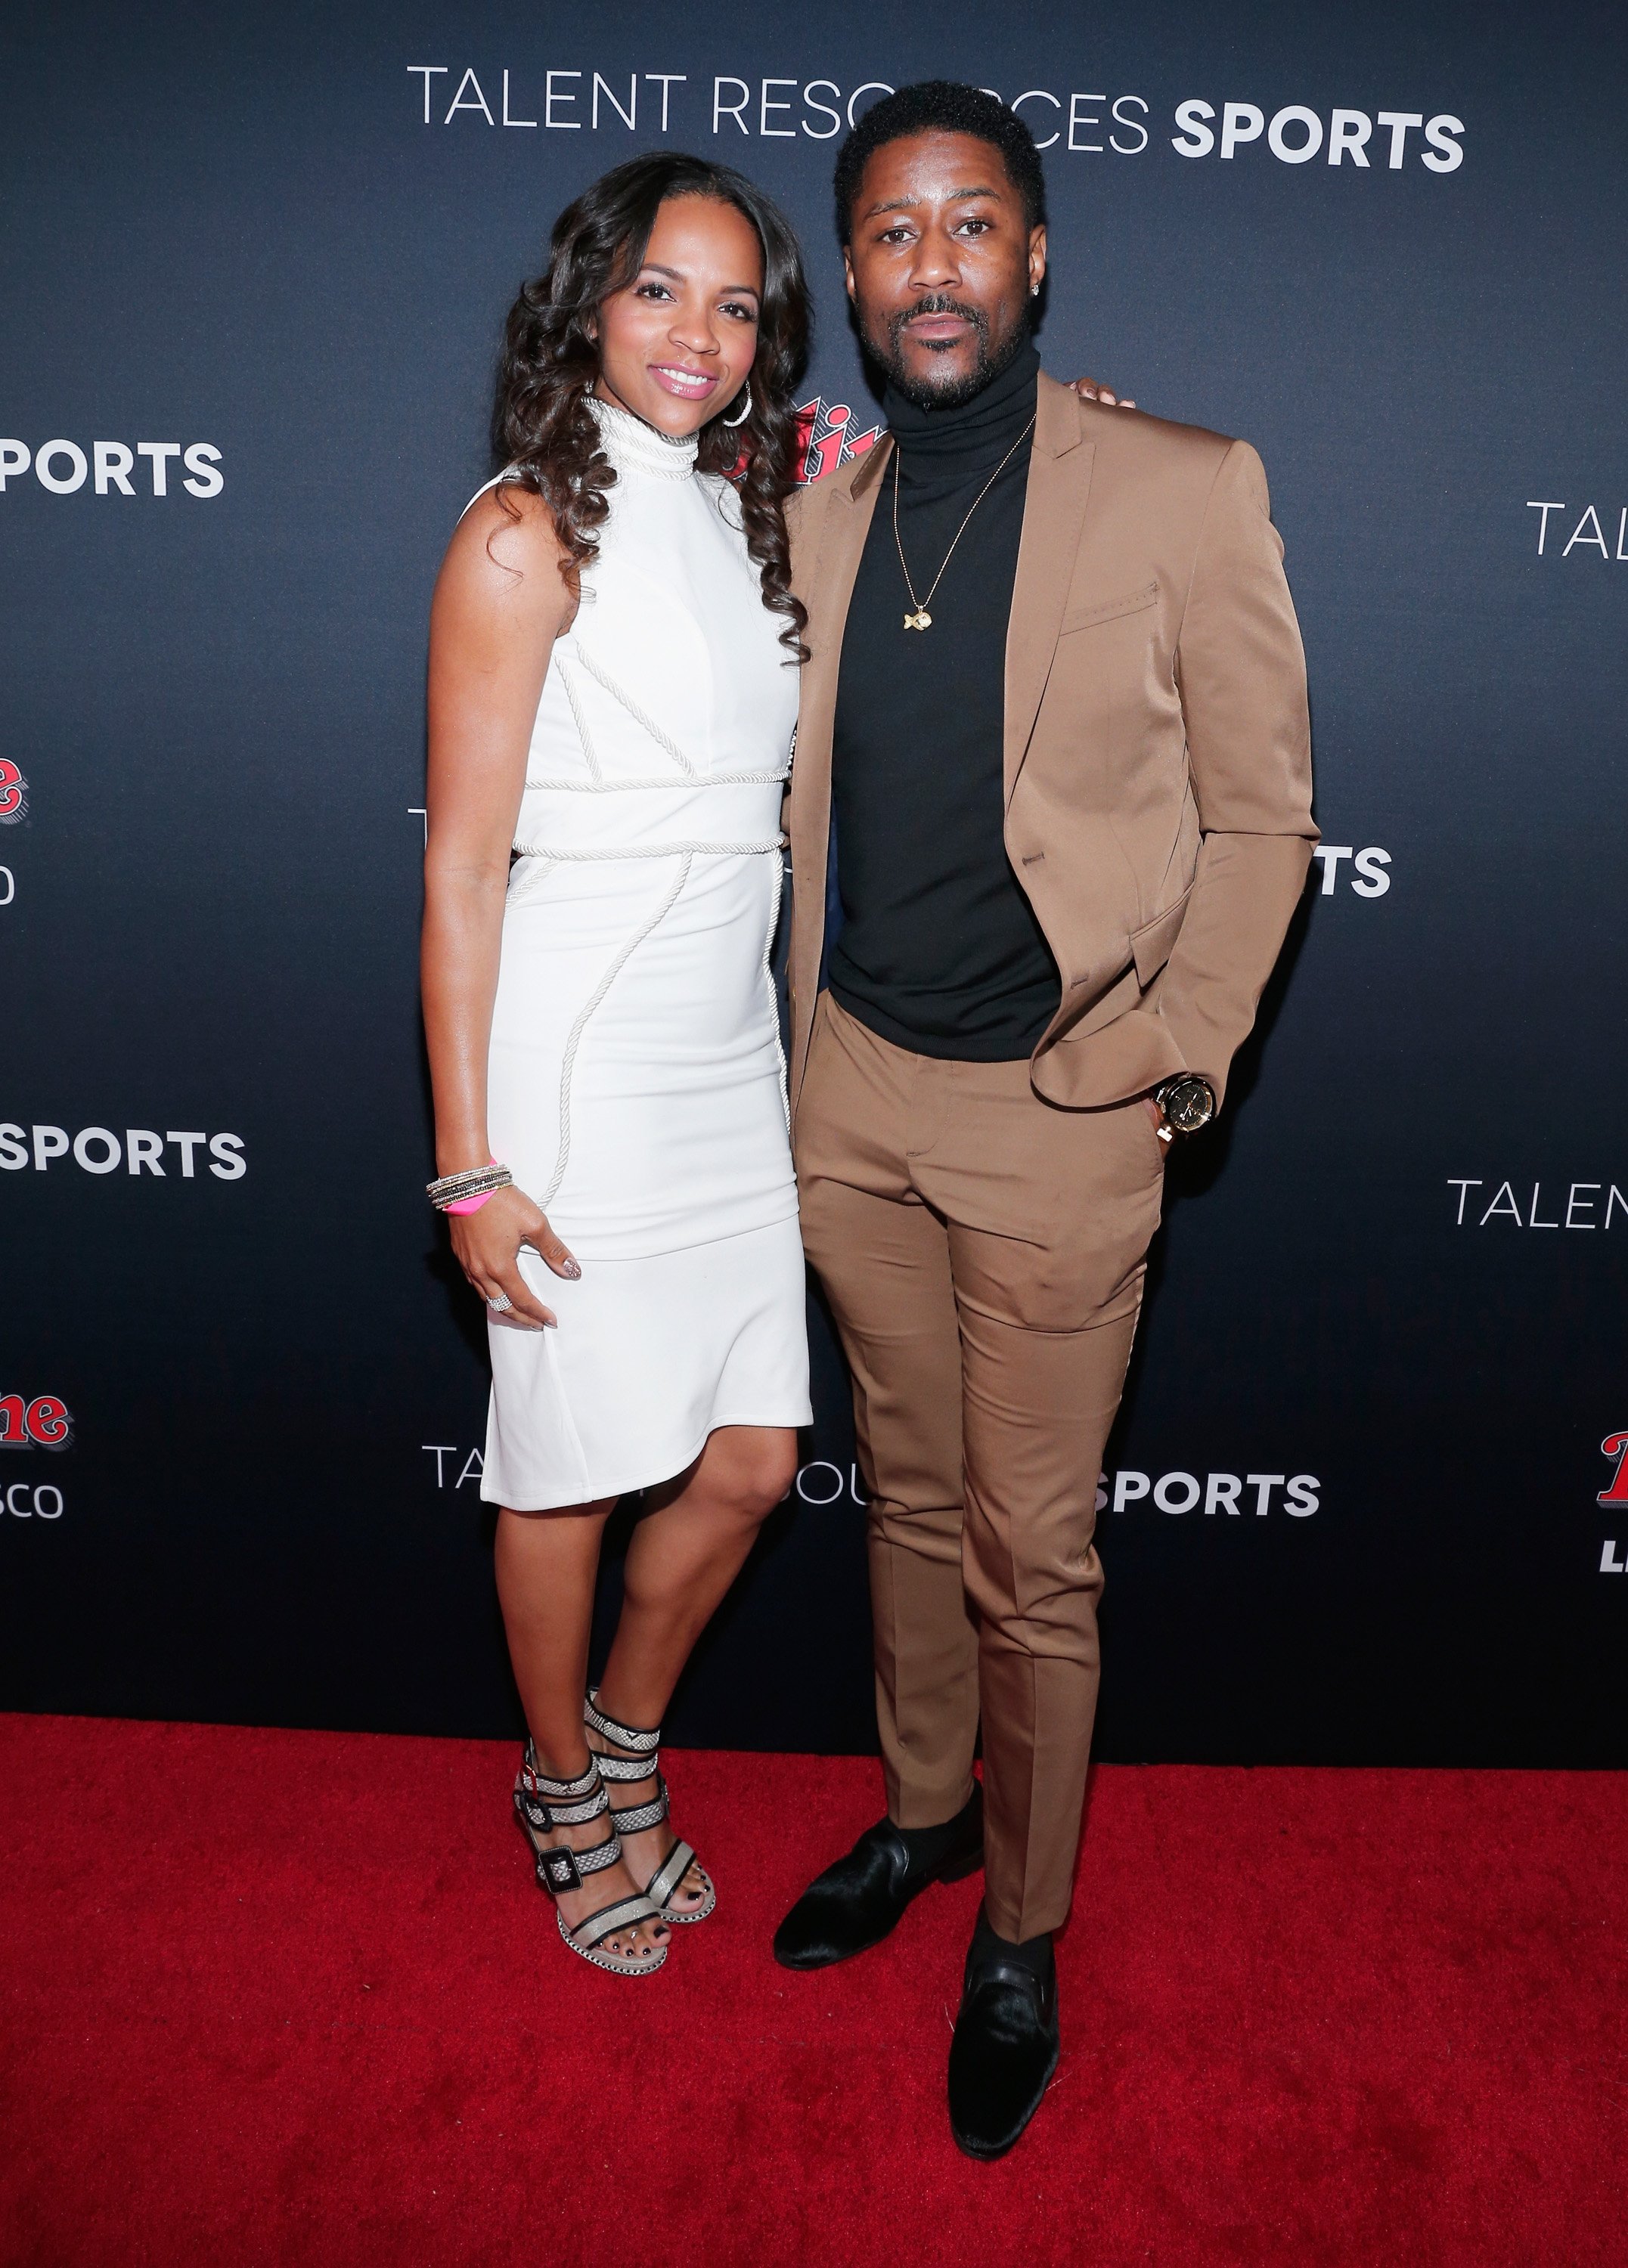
[{"x": 500, "y": 1303}]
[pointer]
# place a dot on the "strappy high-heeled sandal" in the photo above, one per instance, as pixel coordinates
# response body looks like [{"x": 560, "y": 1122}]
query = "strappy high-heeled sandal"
[
  {"x": 541, "y": 1805},
  {"x": 643, "y": 1763}
]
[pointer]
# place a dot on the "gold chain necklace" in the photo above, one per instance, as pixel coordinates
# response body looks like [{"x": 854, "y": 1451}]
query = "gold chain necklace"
[{"x": 919, "y": 619}]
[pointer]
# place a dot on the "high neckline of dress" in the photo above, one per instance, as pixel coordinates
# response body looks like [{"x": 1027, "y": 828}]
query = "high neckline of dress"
[{"x": 633, "y": 446}]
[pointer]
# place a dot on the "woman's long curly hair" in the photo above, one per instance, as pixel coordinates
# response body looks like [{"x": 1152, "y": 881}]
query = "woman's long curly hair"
[{"x": 541, "y": 423}]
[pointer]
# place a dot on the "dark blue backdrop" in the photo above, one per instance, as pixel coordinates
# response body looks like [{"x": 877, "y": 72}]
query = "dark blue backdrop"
[{"x": 282, "y": 240}]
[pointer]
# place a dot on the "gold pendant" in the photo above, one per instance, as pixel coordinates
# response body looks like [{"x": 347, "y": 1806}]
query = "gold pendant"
[{"x": 921, "y": 620}]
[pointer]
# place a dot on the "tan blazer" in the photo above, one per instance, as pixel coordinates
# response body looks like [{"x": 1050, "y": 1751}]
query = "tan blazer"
[{"x": 1158, "y": 769}]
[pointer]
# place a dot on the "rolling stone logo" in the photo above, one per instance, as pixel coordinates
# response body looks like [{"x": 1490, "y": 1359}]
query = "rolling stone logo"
[
  {"x": 1615, "y": 1499},
  {"x": 829, "y": 436},
  {"x": 13, "y": 794},
  {"x": 38, "y": 1421},
  {"x": 41, "y": 1422},
  {"x": 13, "y": 811}
]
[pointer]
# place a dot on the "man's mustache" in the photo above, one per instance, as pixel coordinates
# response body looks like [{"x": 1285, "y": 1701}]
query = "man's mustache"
[{"x": 939, "y": 303}]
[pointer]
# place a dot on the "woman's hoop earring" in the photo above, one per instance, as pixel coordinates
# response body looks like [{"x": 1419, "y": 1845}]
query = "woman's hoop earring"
[{"x": 747, "y": 412}]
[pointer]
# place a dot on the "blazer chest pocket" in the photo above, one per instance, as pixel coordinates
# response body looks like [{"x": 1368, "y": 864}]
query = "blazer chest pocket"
[
  {"x": 1152, "y": 945},
  {"x": 1108, "y": 611}
]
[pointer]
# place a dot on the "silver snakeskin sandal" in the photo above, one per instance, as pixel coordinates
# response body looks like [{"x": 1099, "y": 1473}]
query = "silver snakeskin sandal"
[
  {"x": 541, "y": 1805},
  {"x": 643, "y": 1763}
]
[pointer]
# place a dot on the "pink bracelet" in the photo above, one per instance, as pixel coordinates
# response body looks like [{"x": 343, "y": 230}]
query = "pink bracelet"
[{"x": 471, "y": 1205}]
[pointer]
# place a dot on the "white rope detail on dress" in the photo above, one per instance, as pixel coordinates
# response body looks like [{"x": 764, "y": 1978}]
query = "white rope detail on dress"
[
  {"x": 662, "y": 740},
  {"x": 656, "y": 850},
  {"x": 685, "y": 851},
  {"x": 581, "y": 722},
  {"x": 579, "y": 1027},
  {"x": 521, "y": 892},
  {"x": 702, "y": 779},
  {"x": 499, "y": 480}
]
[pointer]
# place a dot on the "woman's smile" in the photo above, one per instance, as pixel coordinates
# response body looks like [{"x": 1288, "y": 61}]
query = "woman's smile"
[{"x": 678, "y": 378}]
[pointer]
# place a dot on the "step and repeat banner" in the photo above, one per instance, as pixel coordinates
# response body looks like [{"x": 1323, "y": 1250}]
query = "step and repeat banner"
[{"x": 1369, "y": 1497}]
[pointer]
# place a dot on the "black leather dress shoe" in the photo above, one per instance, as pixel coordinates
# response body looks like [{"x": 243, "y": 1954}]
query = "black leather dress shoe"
[
  {"x": 855, "y": 1903},
  {"x": 1006, "y": 2046}
]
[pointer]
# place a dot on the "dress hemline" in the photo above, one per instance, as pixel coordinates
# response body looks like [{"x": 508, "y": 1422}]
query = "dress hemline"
[{"x": 651, "y": 1480}]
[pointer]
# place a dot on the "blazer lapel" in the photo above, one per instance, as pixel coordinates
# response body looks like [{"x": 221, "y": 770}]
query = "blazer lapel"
[
  {"x": 825, "y": 589},
  {"x": 1054, "y": 514}
]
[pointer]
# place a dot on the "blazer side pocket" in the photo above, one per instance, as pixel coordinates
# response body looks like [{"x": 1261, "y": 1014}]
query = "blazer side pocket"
[
  {"x": 1107, "y": 610},
  {"x": 1152, "y": 945}
]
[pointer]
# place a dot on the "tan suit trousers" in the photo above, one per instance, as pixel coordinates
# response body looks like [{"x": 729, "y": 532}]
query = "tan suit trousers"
[{"x": 983, "y": 1252}]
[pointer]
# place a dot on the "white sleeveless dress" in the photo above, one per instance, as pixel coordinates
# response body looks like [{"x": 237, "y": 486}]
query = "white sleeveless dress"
[{"x": 636, "y": 1084}]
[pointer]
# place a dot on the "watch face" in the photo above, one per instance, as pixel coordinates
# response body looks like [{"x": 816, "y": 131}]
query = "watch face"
[{"x": 1188, "y": 1104}]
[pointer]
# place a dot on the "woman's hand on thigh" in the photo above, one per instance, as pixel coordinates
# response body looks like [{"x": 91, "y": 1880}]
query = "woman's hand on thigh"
[{"x": 487, "y": 1245}]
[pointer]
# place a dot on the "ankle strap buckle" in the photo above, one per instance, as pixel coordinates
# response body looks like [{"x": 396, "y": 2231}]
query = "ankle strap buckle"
[{"x": 558, "y": 1870}]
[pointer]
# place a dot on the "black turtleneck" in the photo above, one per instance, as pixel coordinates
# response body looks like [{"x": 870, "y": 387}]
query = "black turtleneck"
[{"x": 939, "y": 950}]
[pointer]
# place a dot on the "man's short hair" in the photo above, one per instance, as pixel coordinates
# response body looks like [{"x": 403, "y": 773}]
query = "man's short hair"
[{"x": 941, "y": 105}]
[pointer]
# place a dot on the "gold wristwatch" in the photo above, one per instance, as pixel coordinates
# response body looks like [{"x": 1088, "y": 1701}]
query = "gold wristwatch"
[{"x": 1187, "y": 1100}]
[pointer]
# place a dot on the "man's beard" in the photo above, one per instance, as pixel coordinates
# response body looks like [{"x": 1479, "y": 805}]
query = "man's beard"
[{"x": 924, "y": 392}]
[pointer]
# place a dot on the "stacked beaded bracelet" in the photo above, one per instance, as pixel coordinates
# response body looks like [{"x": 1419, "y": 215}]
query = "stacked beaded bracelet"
[{"x": 469, "y": 1191}]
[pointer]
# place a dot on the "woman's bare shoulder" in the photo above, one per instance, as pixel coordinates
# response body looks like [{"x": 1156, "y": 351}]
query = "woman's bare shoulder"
[{"x": 507, "y": 550}]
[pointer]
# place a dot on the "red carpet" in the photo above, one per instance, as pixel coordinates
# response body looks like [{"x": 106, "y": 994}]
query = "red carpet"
[{"x": 290, "y": 1998}]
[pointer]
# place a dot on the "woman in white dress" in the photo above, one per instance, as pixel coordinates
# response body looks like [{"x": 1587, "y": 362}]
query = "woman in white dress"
[{"x": 613, "y": 692}]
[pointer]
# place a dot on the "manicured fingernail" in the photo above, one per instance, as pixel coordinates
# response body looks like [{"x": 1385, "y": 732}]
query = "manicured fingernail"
[{"x": 572, "y": 1269}]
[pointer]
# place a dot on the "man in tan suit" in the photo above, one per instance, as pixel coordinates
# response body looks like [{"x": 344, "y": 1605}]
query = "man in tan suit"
[{"x": 1056, "y": 704}]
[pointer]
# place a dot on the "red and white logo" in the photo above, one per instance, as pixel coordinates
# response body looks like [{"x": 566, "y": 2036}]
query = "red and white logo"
[
  {"x": 13, "y": 794},
  {"x": 1615, "y": 1445},
  {"x": 831, "y": 437},
  {"x": 39, "y": 1422}
]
